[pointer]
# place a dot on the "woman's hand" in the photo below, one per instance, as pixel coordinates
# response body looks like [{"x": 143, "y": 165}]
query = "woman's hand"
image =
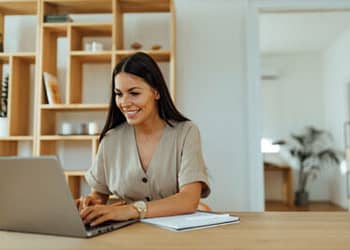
[
  {"x": 98, "y": 214},
  {"x": 88, "y": 200}
]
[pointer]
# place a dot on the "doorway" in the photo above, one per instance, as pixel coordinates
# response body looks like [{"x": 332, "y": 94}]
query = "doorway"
[{"x": 303, "y": 83}]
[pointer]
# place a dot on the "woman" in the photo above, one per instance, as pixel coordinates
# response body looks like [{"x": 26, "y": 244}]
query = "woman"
[{"x": 149, "y": 155}]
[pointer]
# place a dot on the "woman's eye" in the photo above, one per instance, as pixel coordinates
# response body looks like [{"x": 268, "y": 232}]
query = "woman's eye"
[
  {"x": 118, "y": 94},
  {"x": 134, "y": 93}
]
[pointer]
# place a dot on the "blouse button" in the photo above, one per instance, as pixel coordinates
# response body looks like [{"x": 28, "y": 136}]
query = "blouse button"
[
  {"x": 148, "y": 198},
  {"x": 144, "y": 179}
]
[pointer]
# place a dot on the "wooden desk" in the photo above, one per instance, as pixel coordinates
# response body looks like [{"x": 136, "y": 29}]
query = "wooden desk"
[
  {"x": 287, "y": 188},
  {"x": 265, "y": 230}
]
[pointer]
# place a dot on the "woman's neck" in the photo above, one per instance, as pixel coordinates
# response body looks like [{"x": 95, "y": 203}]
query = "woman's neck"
[{"x": 151, "y": 126}]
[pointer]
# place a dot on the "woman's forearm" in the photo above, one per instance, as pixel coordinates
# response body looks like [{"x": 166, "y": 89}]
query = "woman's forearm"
[{"x": 186, "y": 201}]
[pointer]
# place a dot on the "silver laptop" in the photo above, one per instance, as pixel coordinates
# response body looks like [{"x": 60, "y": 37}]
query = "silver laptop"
[{"x": 35, "y": 198}]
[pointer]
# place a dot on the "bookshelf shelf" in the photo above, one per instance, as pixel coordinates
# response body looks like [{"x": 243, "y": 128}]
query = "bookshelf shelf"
[
  {"x": 75, "y": 107},
  {"x": 93, "y": 29},
  {"x": 18, "y": 7},
  {"x": 17, "y": 138},
  {"x": 74, "y": 173},
  {"x": 74, "y": 6},
  {"x": 141, "y": 6},
  {"x": 92, "y": 57},
  {"x": 59, "y": 29},
  {"x": 158, "y": 55},
  {"x": 68, "y": 137}
]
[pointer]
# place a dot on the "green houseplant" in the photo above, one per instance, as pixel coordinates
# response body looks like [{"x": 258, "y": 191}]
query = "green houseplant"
[
  {"x": 4, "y": 107},
  {"x": 313, "y": 149},
  {"x": 4, "y": 97}
]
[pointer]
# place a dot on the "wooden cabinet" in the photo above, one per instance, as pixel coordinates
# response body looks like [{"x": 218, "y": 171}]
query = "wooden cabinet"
[{"x": 41, "y": 125}]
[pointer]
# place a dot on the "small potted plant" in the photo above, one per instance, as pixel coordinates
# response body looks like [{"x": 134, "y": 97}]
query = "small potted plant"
[
  {"x": 313, "y": 150},
  {"x": 3, "y": 107}
]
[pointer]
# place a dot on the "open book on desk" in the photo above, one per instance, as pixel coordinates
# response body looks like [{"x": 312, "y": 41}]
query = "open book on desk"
[{"x": 192, "y": 221}]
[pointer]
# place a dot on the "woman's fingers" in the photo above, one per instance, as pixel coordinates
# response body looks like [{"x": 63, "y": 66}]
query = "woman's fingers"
[
  {"x": 86, "y": 201},
  {"x": 93, "y": 215},
  {"x": 98, "y": 214},
  {"x": 83, "y": 202},
  {"x": 89, "y": 214},
  {"x": 85, "y": 212},
  {"x": 101, "y": 219}
]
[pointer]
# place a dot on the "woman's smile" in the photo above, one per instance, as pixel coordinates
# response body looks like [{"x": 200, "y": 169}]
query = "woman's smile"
[{"x": 130, "y": 114}]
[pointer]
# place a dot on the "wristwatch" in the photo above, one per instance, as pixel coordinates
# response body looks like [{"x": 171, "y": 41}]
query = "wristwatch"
[{"x": 141, "y": 208}]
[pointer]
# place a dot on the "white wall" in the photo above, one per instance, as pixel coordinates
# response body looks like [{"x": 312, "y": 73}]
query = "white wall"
[
  {"x": 292, "y": 101},
  {"x": 212, "y": 90},
  {"x": 337, "y": 88},
  {"x": 295, "y": 99}
]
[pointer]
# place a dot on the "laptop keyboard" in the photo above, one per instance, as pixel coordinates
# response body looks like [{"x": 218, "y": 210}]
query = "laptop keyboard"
[{"x": 88, "y": 227}]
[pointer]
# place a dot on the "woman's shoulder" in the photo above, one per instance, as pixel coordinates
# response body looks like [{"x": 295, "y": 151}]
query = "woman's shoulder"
[
  {"x": 184, "y": 127},
  {"x": 117, "y": 132}
]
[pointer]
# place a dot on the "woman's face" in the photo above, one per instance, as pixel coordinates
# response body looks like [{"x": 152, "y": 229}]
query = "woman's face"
[{"x": 135, "y": 98}]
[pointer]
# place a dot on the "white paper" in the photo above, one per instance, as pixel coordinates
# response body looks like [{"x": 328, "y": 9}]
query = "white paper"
[{"x": 193, "y": 221}]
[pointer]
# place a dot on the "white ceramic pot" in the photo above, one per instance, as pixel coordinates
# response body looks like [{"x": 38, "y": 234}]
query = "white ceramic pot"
[
  {"x": 93, "y": 128},
  {"x": 4, "y": 127}
]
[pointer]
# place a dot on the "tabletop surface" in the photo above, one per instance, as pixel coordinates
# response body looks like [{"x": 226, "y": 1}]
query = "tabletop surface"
[{"x": 257, "y": 230}]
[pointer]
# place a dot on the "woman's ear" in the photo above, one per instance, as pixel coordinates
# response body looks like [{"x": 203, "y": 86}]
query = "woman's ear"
[{"x": 157, "y": 95}]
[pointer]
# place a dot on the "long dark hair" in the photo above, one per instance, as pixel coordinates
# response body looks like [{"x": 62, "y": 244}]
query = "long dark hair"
[{"x": 142, "y": 65}]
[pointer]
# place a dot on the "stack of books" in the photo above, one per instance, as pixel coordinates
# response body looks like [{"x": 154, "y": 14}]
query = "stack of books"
[{"x": 63, "y": 18}]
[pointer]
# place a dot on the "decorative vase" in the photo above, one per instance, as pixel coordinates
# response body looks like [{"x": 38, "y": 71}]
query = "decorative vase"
[
  {"x": 4, "y": 127},
  {"x": 301, "y": 198}
]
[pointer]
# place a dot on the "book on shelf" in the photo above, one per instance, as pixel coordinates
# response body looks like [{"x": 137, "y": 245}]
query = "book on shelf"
[
  {"x": 197, "y": 220},
  {"x": 52, "y": 90},
  {"x": 57, "y": 18}
]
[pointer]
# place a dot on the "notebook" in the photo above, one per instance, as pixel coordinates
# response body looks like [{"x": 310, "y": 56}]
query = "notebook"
[
  {"x": 197, "y": 220},
  {"x": 35, "y": 198}
]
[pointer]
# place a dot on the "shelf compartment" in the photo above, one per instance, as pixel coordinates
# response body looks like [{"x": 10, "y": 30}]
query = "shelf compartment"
[
  {"x": 19, "y": 7},
  {"x": 68, "y": 137},
  {"x": 8, "y": 148},
  {"x": 157, "y": 55},
  {"x": 80, "y": 31},
  {"x": 73, "y": 179},
  {"x": 20, "y": 89},
  {"x": 51, "y": 33},
  {"x": 78, "y": 61},
  {"x": 137, "y": 6},
  {"x": 11, "y": 145},
  {"x": 77, "y": 6},
  {"x": 93, "y": 29}
]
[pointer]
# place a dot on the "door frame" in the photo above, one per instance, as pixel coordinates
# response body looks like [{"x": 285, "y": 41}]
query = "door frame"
[{"x": 254, "y": 95}]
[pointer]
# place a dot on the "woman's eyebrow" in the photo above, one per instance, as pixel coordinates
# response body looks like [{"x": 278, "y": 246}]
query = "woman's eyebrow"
[
  {"x": 134, "y": 88},
  {"x": 131, "y": 89}
]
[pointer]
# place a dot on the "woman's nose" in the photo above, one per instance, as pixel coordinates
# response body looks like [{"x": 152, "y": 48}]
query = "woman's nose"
[{"x": 124, "y": 101}]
